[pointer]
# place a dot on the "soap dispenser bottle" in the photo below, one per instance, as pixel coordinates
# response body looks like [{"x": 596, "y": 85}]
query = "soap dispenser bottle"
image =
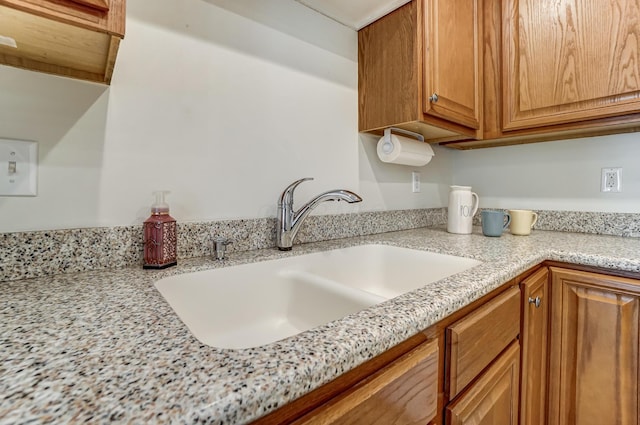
[{"x": 160, "y": 236}]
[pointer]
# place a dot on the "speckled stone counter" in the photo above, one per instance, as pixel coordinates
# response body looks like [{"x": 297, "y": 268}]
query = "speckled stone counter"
[{"x": 104, "y": 346}]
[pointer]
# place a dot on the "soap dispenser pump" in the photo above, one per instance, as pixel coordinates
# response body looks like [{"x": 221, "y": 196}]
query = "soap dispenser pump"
[{"x": 160, "y": 235}]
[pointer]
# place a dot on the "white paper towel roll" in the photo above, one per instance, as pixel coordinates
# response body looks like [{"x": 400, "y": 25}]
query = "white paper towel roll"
[{"x": 403, "y": 150}]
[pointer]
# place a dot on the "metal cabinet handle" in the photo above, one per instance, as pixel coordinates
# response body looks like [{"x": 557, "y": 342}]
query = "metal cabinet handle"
[
  {"x": 433, "y": 98},
  {"x": 536, "y": 301}
]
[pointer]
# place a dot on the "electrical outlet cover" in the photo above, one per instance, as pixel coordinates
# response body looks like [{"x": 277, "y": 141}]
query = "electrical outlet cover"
[
  {"x": 611, "y": 180},
  {"x": 415, "y": 182}
]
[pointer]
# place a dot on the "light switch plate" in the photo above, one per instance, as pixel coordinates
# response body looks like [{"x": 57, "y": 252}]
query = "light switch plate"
[{"x": 18, "y": 167}]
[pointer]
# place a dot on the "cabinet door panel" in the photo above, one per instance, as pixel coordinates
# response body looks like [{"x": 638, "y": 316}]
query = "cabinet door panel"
[
  {"x": 480, "y": 337},
  {"x": 569, "y": 60},
  {"x": 594, "y": 349},
  {"x": 534, "y": 340},
  {"x": 453, "y": 60},
  {"x": 404, "y": 393},
  {"x": 493, "y": 398}
]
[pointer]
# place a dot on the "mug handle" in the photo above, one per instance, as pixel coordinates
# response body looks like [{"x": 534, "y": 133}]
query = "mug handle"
[
  {"x": 535, "y": 219},
  {"x": 508, "y": 221},
  {"x": 475, "y": 208}
]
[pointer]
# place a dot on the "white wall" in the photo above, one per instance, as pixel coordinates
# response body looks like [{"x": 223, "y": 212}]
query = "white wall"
[
  {"x": 390, "y": 184},
  {"x": 560, "y": 175},
  {"x": 222, "y": 102}
]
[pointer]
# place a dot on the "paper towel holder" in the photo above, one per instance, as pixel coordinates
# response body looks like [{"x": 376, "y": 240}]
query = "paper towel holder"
[{"x": 387, "y": 147}]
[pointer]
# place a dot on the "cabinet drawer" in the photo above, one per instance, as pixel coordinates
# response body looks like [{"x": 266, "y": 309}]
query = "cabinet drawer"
[
  {"x": 479, "y": 337},
  {"x": 403, "y": 393},
  {"x": 492, "y": 399}
]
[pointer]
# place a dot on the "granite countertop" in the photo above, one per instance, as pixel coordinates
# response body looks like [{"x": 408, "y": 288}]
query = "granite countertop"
[{"x": 105, "y": 346}]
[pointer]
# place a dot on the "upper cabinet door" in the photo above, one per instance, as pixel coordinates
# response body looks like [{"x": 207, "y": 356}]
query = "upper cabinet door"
[
  {"x": 569, "y": 60},
  {"x": 453, "y": 83}
]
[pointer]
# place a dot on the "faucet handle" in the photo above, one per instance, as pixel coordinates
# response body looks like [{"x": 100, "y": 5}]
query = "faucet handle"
[
  {"x": 287, "y": 194},
  {"x": 220, "y": 246}
]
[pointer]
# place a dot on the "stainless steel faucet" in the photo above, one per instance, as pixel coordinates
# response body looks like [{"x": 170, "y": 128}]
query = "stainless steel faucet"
[{"x": 289, "y": 221}]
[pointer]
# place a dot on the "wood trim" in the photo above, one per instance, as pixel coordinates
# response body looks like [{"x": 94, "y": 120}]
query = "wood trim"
[
  {"x": 68, "y": 12},
  {"x": 434, "y": 129},
  {"x": 614, "y": 125},
  {"x": 422, "y": 32},
  {"x": 48, "y": 68},
  {"x": 111, "y": 59},
  {"x": 492, "y": 69},
  {"x": 117, "y": 18},
  {"x": 96, "y": 4},
  {"x": 593, "y": 269},
  {"x": 618, "y": 284},
  {"x": 527, "y": 273}
]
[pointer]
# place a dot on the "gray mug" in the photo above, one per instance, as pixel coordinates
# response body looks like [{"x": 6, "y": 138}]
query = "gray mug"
[{"x": 494, "y": 222}]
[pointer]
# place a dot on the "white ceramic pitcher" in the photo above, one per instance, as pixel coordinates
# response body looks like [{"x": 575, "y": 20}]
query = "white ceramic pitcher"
[{"x": 463, "y": 204}]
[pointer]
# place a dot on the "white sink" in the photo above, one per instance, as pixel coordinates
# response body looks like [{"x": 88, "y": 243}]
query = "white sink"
[
  {"x": 387, "y": 271},
  {"x": 255, "y": 304}
]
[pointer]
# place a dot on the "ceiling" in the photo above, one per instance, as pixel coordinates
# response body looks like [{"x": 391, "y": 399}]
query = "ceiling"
[{"x": 355, "y": 14}]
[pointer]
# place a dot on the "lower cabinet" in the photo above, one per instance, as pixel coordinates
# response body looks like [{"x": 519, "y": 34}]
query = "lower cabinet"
[
  {"x": 594, "y": 364},
  {"x": 484, "y": 364},
  {"x": 493, "y": 398},
  {"x": 534, "y": 342},
  {"x": 404, "y": 393}
]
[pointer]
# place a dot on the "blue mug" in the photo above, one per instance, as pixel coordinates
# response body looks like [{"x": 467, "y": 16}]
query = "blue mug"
[{"x": 494, "y": 222}]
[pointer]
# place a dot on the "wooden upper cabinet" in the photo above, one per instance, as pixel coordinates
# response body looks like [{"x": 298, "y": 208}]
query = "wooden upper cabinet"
[
  {"x": 452, "y": 65},
  {"x": 594, "y": 364},
  {"x": 569, "y": 60},
  {"x": 77, "y": 39},
  {"x": 423, "y": 51}
]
